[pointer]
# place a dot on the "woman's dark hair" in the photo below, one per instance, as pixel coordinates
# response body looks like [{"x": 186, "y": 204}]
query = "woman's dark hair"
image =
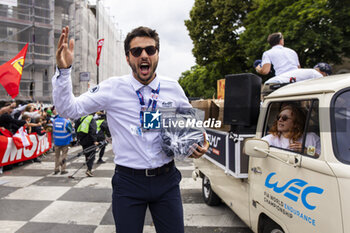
[
  {"x": 298, "y": 123},
  {"x": 140, "y": 32}
]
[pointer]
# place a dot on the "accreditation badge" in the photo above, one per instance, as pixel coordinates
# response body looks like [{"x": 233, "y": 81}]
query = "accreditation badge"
[{"x": 311, "y": 150}]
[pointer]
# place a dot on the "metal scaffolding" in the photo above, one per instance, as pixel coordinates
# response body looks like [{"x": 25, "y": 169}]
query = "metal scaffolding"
[
  {"x": 31, "y": 21},
  {"x": 39, "y": 23}
]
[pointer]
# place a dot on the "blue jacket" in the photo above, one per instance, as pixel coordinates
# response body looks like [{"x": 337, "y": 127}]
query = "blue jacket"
[{"x": 62, "y": 131}]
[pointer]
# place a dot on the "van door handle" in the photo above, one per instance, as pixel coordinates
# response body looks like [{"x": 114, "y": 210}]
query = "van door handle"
[{"x": 256, "y": 170}]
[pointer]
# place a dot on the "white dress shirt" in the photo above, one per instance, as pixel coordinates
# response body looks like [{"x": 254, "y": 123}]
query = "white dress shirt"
[
  {"x": 283, "y": 59},
  {"x": 298, "y": 74},
  {"x": 117, "y": 95}
]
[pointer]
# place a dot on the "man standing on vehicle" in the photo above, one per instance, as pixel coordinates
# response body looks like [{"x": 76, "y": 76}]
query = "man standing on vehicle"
[
  {"x": 144, "y": 176},
  {"x": 320, "y": 70},
  {"x": 283, "y": 59}
]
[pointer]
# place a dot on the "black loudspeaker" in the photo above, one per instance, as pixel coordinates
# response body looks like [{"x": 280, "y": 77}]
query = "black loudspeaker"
[{"x": 242, "y": 99}]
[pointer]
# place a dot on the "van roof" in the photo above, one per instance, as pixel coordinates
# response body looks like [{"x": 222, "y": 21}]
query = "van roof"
[{"x": 326, "y": 84}]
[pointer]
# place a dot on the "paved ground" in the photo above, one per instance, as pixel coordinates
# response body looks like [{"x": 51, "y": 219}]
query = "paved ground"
[{"x": 32, "y": 199}]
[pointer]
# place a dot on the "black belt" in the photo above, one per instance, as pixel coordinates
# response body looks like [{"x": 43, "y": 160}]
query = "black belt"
[{"x": 146, "y": 172}]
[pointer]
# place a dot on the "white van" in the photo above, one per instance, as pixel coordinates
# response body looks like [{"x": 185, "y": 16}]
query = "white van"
[{"x": 279, "y": 190}]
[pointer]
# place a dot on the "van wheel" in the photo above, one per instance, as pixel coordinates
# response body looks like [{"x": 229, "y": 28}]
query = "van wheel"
[
  {"x": 272, "y": 227},
  {"x": 210, "y": 198}
]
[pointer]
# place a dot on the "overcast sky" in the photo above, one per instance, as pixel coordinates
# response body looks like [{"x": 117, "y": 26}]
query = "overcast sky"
[{"x": 167, "y": 17}]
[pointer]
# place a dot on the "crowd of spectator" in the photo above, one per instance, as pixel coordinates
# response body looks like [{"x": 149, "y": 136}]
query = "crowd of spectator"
[
  {"x": 40, "y": 118},
  {"x": 34, "y": 117}
]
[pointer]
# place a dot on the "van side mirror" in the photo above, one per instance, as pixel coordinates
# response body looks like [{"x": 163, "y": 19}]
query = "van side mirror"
[{"x": 256, "y": 148}]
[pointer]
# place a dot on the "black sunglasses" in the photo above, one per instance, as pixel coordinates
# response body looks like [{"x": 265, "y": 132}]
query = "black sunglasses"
[
  {"x": 150, "y": 50},
  {"x": 284, "y": 117}
]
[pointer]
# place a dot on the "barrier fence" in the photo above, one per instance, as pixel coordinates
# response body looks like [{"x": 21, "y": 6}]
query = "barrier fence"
[{"x": 9, "y": 154}]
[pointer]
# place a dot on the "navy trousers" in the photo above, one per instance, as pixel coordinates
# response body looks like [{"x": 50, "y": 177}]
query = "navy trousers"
[{"x": 133, "y": 193}]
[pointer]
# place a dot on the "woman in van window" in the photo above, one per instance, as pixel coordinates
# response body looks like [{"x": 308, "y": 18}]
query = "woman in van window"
[{"x": 287, "y": 132}]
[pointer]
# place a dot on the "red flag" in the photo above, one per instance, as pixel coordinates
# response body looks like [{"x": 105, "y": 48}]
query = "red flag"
[
  {"x": 11, "y": 72},
  {"x": 99, "y": 49},
  {"x": 22, "y": 139}
]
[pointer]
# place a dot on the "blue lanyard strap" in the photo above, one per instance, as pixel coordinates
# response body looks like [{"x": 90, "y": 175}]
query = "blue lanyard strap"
[{"x": 152, "y": 101}]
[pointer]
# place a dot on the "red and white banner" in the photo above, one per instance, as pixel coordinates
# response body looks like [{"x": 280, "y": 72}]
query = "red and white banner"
[
  {"x": 22, "y": 139},
  {"x": 9, "y": 154},
  {"x": 99, "y": 49}
]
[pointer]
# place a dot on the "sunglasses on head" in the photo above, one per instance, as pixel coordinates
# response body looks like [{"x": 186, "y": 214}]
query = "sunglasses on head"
[
  {"x": 283, "y": 117},
  {"x": 136, "y": 51}
]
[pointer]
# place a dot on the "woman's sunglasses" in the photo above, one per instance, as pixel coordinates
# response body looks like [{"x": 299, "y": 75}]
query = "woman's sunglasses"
[
  {"x": 150, "y": 50},
  {"x": 283, "y": 117}
]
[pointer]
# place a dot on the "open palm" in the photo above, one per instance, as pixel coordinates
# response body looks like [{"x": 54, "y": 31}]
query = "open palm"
[{"x": 64, "y": 53}]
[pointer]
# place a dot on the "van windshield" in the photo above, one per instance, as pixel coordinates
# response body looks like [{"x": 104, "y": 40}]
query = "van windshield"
[{"x": 340, "y": 114}]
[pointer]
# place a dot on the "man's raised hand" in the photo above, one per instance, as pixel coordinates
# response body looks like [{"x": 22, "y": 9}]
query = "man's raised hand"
[{"x": 64, "y": 54}]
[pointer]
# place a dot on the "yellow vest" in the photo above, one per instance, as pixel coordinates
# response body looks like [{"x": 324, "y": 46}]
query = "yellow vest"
[{"x": 84, "y": 126}]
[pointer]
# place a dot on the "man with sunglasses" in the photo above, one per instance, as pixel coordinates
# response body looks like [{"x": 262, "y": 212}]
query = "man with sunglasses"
[
  {"x": 283, "y": 59},
  {"x": 144, "y": 175}
]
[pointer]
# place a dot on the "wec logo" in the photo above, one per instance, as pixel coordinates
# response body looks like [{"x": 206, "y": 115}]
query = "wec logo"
[{"x": 294, "y": 189}]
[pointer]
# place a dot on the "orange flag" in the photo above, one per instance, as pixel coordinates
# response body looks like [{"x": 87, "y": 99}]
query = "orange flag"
[{"x": 11, "y": 72}]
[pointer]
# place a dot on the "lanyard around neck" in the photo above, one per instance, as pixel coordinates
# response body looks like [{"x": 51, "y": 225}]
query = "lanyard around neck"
[{"x": 152, "y": 101}]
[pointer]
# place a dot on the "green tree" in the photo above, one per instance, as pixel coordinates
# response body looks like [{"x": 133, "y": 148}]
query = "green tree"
[
  {"x": 200, "y": 81},
  {"x": 200, "y": 28},
  {"x": 214, "y": 27}
]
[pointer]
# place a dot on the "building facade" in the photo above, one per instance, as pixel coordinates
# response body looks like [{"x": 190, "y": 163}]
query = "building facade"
[{"x": 39, "y": 23}]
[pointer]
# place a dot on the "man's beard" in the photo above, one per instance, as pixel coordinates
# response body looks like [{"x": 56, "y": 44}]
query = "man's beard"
[{"x": 138, "y": 77}]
